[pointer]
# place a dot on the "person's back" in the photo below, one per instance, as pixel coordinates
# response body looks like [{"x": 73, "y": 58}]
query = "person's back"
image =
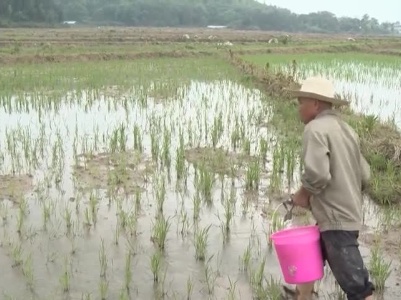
[{"x": 339, "y": 205}]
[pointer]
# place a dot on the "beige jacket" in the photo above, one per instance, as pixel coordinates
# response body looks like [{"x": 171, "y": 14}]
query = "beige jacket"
[{"x": 335, "y": 172}]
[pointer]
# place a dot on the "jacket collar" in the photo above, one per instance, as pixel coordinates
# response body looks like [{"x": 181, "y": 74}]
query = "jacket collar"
[{"x": 327, "y": 112}]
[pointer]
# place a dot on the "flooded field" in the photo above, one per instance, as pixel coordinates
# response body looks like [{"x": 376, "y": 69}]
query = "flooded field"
[
  {"x": 150, "y": 179},
  {"x": 371, "y": 82}
]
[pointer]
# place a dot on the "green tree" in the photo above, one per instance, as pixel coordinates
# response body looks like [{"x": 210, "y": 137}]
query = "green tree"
[{"x": 244, "y": 14}]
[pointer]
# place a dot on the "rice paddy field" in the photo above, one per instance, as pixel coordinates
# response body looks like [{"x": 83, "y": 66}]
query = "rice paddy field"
[
  {"x": 372, "y": 83},
  {"x": 158, "y": 176}
]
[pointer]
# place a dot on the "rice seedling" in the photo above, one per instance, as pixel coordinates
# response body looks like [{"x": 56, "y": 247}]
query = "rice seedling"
[
  {"x": 46, "y": 214},
  {"x": 228, "y": 214},
  {"x": 235, "y": 139},
  {"x": 3, "y": 212},
  {"x": 117, "y": 235},
  {"x": 257, "y": 278},
  {"x": 17, "y": 255},
  {"x": 273, "y": 289},
  {"x": 93, "y": 202},
  {"x": 137, "y": 202},
  {"x": 200, "y": 242},
  {"x": 138, "y": 139},
  {"x": 88, "y": 217},
  {"x": 204, "y": 183},
  {"x": 263, "y": 148},
  {"x": 155, "y": 146},
  {"x": 246, "y": 146},
  {"x": 128, "y": 271},
  {"x": 8, "y": 297},
  {"x": 217, "y": 129},
  {"x": 252, "y": 176},
  {"x": 123, "y": 295},
  {"x": 155, "y": 265},
  {"x": 197, "y": 206},
  {"x": 27, "y": 270},
  {"x": 166, "y": 159},
  {"x": 86, "y": 296},
  {"x": 102, "y": 259},
  {"x": 246, "y": 258},
  {"x": 160, "y": 194},
  {"x": 210, "y": 276},
  {"x": 65, "y": 278},
  {"x": 68, "y": 219},
  {"x": 180, "y": 158},
  {"x": 290, "y": 162},
  {"x": 278, "y": 164},
  {"x": 380, "y": 270},
  {"x": 160, "y": 230},
  {"x": 190, "y": 288},
  {"x": 184, "y": 221},
  {"x": 160, "y": 287},
  {"x": 232, "y": 290},
  {"x": 132, "y": 224},
  {"x": 265, "y": 288},
  {"x": 277, "y": 223},
  {"x": 389, "y": 217},
  {"x": 72, "y": 240},
  {"x": 103, "y": 288},
  {"x": 20, "y": 218}
]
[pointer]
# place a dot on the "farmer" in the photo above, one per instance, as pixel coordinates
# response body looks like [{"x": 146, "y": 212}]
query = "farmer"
[{"x": 335, "y": 174}]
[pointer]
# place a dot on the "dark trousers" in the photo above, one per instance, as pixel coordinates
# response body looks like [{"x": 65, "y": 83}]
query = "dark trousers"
[{"x": 341, "y": 251}]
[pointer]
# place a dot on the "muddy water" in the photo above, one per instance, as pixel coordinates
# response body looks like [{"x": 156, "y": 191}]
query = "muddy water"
[{"x": 49, "y": 252}]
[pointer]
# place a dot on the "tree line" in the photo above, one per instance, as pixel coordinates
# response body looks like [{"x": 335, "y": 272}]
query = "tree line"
[{"x": 239, "y": 14}]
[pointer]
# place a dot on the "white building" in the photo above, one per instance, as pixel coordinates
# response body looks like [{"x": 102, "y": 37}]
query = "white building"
[{"x": 216, "y": 27}]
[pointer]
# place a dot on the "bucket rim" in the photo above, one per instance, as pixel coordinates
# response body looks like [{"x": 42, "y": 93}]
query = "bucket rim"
[{"x": 275, "y": 234}]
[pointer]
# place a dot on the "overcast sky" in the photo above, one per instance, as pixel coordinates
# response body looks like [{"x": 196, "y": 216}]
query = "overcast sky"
[{"x": 383, "y": 10}]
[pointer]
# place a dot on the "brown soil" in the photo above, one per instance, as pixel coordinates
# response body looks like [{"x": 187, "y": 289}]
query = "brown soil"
[
  {"x": 62, "y": 58},
  {"x": 384, "y": 49},
  {"x": 129, "y": 54},
  {"x": 388, "y": 241},
  {"x": 140, "y": 34},
  {"x": 13, "y": 188},
  {"x": 218, "y": 160},
  {"x": 128, "y": 171},
  {"x": 133, "y": 43}
]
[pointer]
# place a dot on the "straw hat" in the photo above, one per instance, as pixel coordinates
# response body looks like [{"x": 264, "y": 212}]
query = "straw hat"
[{"x": 320, "y": 89}]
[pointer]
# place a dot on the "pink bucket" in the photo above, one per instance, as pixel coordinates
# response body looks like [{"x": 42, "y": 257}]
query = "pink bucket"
[{"x": 299, "y": 253}]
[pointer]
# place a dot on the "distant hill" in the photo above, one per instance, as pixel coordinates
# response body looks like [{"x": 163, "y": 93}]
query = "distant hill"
[{"x": 243, "y": 14}]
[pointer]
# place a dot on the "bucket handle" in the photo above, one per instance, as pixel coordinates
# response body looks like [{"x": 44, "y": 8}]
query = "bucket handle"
[{"x": 289, "y": 206}]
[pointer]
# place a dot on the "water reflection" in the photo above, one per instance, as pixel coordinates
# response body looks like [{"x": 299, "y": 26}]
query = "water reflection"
[{"x": 88, "y": 125}]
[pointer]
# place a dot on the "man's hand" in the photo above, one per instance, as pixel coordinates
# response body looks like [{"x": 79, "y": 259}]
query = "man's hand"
[{"x": 301, "y": 198}]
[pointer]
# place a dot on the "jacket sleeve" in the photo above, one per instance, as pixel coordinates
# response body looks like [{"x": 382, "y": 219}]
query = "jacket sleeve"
[
  {"x": 316, "y": 159},
  {"x": 365, "y": 172}
]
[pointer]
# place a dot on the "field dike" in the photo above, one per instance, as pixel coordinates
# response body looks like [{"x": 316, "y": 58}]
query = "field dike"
[
  {"x": 381, "y": 142},
  {"x": 85, "y": 57},
  {"x": 50, "y": 52}
]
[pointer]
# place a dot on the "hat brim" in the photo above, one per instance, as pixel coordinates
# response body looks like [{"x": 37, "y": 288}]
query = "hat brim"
[{"x": 301, "y": 94}]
